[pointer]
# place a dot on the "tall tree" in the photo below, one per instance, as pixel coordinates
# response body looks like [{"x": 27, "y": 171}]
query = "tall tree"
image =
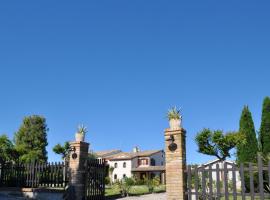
[
  {"x": 265, "y": 128},
  {"x": 7, "y": 151},
  {"x": 31, "y": 139},
  {"x": 247, "y": 151}
]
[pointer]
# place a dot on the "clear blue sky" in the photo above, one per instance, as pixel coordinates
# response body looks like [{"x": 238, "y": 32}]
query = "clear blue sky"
[{"x": 117, "y": 66}]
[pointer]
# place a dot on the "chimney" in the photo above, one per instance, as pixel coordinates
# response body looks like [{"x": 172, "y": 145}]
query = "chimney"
[{"x": 136, "y": 149}]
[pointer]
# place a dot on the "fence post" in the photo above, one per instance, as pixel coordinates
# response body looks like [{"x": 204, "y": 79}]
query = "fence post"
[
  {"x": 175, "y": 149},
  {"x": 260, "y": 168},
  {"x": 78, "y": 156}
]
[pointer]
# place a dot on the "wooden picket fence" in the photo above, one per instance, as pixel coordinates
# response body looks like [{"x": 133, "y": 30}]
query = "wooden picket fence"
[
  {"x": 247, "y": 181},
  {"x": 53, "y": 175}
]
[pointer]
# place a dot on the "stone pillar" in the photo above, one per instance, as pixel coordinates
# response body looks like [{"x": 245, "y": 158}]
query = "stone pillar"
[
  {"x": 175, "y": 149},
  {"x": 78, "y": 156}
]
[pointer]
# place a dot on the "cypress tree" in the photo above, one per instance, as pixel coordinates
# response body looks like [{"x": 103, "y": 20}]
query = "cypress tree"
[
  {"x": 31, "y": 139},
  {"x": 247, "y": 151},
  {"x": 265, "y": 128}
]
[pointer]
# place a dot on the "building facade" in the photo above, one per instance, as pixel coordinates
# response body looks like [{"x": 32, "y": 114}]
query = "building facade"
[{"x": 138, "y": 164}]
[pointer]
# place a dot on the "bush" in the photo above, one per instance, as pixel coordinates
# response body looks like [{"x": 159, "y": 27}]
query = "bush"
[
  {"x": 107, "y": 180},
  {"x": 139, "y": 182},
  {"x": 125, "y": 185},
  {"x": 152, "y": 183}
]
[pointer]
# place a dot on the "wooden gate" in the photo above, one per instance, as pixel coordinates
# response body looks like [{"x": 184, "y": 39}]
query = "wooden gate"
[
  {"x": 95, "y": 179},
  {"x": 228, "y": 181}
]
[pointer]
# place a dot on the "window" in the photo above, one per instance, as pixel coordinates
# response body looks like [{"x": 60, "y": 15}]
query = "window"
[
  {"x": 115, "y": 165},
  {"x": 124, "y": 176},
  {"x": 124, "y": 165},
  {"x": 153, "y": 162},
  {"x": 162, "y": 163},
  {"x": 115, "y": 176},
  {"x": 143, "y": 161}
]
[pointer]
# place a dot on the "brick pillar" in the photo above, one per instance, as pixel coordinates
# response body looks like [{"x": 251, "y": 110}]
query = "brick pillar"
[
  {"x": 175, "y": 163},
  {"x": 77, "y": 169}
]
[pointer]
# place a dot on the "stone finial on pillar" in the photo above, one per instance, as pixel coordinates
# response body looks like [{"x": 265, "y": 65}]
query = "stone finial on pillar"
[
  {"x": 175, "y": 153},
  {"x": 78, "y": 156}
]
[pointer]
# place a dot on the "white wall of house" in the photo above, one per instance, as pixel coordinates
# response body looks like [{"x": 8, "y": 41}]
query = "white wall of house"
[{"x": 120, "y": 171}]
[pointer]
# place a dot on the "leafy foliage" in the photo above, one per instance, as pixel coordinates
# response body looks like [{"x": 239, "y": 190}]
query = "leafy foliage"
[
  {"x": 31, "y": 139},
  {"x": 247, "y": 152},
  {"x": 125, "y": 185},
  {"x": 82, "y": 129},
  {"x": 92, "y": 155},
  {"x": 62, "y": 150},
  {"x": 152, "y": 183},
  {"x": 216, "y": 143},
  {"x": 174, "y": 113},
  {"x": 7, "y": 151},
  {"x": 264, "y": 138}
]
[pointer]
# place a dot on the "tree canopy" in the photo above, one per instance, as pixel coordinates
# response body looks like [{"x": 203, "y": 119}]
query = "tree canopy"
[
  {"x": 247, "y": 152},
  {"x": 216, "y": 143},
  {"x": 31, "y": 139},
  {"x": 62, "y": 150},
  {"x": 264, "y": 138},
  {"x": 7, "y": 151}
]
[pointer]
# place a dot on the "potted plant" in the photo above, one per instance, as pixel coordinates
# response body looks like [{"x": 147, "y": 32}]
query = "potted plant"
[
  {"x": 80, "y": 135},
  {"x": 175, "y": 118}
]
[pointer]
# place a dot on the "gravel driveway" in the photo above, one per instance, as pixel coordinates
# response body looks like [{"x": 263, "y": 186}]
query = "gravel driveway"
[{"x": 160, "y": 196}]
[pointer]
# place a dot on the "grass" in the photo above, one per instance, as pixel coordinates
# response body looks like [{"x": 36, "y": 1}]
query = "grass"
[
  {"x": 134, "y": 190},
  {"x": 111, "y": 191}
]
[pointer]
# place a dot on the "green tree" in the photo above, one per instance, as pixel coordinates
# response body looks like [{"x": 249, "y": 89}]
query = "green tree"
[
  {"x": 265, "y": 128},
  {"x": 62, "y": 150},
  {"x": 247, "y": 151},
  {"x": 216, "y": 143},
  {"x": 7, "y": 151},
  {"x": 31, "y": 139}
]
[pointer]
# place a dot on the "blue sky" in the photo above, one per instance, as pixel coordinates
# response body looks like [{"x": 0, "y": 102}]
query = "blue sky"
[{"x": 117, "y": 66}]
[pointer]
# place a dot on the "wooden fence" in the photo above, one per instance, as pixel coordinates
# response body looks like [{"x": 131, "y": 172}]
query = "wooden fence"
[
  {"x": 229, "y": 181},
  {"x": 34, "y": 175}
]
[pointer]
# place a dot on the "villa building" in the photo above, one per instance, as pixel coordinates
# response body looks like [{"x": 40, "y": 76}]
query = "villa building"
[{"x": 139, "y": 164}]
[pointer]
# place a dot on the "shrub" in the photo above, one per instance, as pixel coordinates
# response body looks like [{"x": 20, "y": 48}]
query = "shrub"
[
  {"x": 124, "y": 185},
  {"x": 107, "y": 180}
]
